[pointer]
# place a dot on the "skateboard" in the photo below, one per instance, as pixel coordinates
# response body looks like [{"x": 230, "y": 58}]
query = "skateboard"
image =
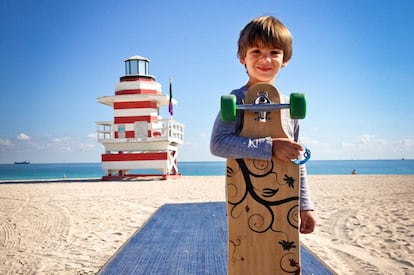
[{"x": 263, "y": 196}]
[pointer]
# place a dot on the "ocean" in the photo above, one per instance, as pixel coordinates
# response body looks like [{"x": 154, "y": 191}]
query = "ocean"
[{"x": 51, "y": 171}]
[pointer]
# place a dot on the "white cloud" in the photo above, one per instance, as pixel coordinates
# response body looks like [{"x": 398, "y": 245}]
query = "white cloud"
[
  {"x": 51, "y": 148},
  {"x": 56, "y": 140},
  {"x": 87, "y": 146},
  {"x": 203, "y": 135},
  {"x": 364, "y": 146},
  {"x": 92, "y": 136},
  {"x": 404, "y": 143},
  {"x": 22, "y": 136},
  {"x": 309, "y": 142},
  {"x": 59, "y": 144},
  {"x": 5, "y": 142},
  {"x": 372, "y": 146},
  {"x": 366, "y": 140}
]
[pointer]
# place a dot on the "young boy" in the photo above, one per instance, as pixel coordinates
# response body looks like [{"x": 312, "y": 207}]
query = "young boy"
[{"x": 264, "y": 47}]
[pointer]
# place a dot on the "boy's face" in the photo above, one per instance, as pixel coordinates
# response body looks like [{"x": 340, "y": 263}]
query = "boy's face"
[{"x": 263, "y": 64}]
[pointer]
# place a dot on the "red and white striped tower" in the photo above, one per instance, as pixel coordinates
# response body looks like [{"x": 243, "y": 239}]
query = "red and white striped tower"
[{"x": 139, "y": 140}]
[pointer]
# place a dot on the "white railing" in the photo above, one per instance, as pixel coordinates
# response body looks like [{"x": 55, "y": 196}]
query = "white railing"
[
  {"x": 104, "y": 130},
  {"x": 168, "y": 129},
  {"x": 173, "y": 130}
]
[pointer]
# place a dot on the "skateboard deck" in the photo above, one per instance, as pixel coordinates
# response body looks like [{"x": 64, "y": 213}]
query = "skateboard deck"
[{"x": 262, "y": 200}]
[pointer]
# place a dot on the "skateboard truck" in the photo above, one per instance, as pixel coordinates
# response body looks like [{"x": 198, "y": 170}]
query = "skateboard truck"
[
  {"x": 262, "y": 98},
  {"x": 262, "y": 105}
]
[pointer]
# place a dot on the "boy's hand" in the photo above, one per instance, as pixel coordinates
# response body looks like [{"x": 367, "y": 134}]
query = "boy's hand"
[
  {"x": 286, "y": 149},
  {"x": 307, "y": 222}
]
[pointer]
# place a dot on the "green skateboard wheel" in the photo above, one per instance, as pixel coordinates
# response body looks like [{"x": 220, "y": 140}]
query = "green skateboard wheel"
[
  {"x": 297, "y": 106},
  {"x": 228, "y": 108}
]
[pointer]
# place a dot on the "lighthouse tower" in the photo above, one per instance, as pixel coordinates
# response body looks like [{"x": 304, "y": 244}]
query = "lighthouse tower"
[{"x": 138, "y": 142}]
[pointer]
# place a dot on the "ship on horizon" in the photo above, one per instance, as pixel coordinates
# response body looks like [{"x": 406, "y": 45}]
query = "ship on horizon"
[{"x": 22, "y": 162}]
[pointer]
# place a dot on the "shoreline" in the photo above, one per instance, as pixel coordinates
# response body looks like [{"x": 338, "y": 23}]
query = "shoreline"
[
  {"x": 78, "y": 180},
  {"x": 364, "y": 221},
  {"x": 43, "y": 181}
]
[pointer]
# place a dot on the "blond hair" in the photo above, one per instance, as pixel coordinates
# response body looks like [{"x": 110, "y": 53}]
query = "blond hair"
[{"x": 265, "y": 31}]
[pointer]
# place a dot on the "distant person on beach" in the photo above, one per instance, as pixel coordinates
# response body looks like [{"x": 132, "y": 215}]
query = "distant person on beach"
[
  {"x": 264, "y": 48},
  {"x": 353, "y": 172}
]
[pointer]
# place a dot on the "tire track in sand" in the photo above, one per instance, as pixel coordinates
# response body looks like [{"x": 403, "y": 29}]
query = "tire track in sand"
[
  {"x": 38, "y": 230},
  {"x": 347, "y": 250}
]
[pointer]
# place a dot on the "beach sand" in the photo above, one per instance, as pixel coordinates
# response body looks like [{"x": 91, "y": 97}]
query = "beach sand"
[{"x": 365, "y": 223}]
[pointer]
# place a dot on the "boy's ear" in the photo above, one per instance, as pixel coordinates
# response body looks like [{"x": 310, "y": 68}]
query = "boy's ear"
[
  {"x": 285, "y": 63},
  {"x": 242, "y": 60}
]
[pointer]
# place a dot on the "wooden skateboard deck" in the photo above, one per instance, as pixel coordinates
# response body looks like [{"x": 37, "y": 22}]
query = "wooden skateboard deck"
[{"x": 262, "y": 202}]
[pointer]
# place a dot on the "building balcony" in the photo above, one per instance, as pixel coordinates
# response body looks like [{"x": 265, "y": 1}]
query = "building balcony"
[{"x": 145, "y": 136}]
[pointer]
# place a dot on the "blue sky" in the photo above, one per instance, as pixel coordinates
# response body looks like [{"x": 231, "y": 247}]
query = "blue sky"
[{"x": 353, "y": 59}]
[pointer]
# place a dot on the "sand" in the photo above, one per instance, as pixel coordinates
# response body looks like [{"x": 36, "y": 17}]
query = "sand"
[{"x": 365, "y": 223}]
